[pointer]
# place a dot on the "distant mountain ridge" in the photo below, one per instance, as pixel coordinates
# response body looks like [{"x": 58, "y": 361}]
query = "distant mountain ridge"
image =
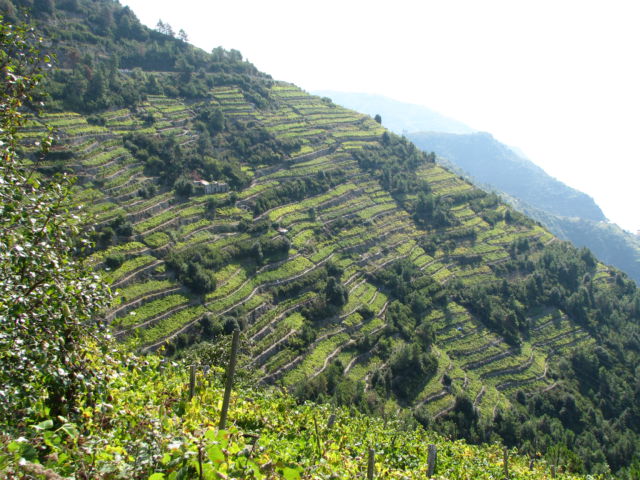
[
  {"x": 493, "y": 163},
  {"x": 570, "y": 214}
]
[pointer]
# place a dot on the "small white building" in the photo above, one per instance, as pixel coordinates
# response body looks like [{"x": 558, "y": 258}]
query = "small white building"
[{"x": 212, "y": 187}]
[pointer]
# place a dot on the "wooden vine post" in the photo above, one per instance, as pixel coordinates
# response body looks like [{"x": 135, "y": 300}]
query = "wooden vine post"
[
  {"x": 229, "y": 382},
  {"x": 315, "y": 425},
  {"x": 555, "y": 457},
  {"x": 371, "y": 464},
  {"x": 331, "y": 421},
  {"x": 192, "y": 381},
  {"x": 506, "y": 463},
  {"x": 431, "y": 460}
]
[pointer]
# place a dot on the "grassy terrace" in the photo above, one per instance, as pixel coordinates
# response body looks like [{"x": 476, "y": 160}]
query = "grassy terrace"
[
  {"x": 266, "y": 320},
  {"x": 326, "y": 164},
  {"x": 128, "y": 267},
  {"x": 315, "y": 359},
  {"x": 281, "y": 212},
  {"x": 552, "y": 332},
  {"x": 130, "y": 248},
  {"x": 336, "y": 342},
  {"x": 142, "y": 289},
  {"x": 281, "y": 328},
  {"x": 150, "y": 310},
  {"x": 138, "y": 204},
  {"x": 169, "y": 215},
  {"x": 106, "y": 156},
  {"x": 155, "y": 334}
]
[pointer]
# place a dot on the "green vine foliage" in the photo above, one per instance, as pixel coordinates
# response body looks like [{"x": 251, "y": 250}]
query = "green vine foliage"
[
  {"x": 148, "y": 428},
  {"x": 48, "y": 300}
]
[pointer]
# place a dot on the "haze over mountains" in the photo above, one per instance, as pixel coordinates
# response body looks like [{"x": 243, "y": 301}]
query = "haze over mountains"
[
  {"x": 399, "y": 117},
  {"x": 491, "y": 163},
  {"x": 567, "y": 212}
]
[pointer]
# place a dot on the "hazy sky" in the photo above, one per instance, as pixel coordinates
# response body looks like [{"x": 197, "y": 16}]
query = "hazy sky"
[{"x": 559, "y": 79}]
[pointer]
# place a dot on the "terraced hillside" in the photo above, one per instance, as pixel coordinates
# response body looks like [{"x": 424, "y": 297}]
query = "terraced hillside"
[
  {"x": 357, "y": 268},
  {"x": 349, "y": 228},
  {"x": 567, "y": 213}
]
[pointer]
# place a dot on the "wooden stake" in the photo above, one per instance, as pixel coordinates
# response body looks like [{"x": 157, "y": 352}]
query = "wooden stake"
[
  {"x": 315, "y": 425},
  {"x": 253, "y": 447},
  {"x": 371, "y": 464},
  {"x": 331, "y": 421},
  {"x": 192, "y": 381},
  {"x": 506, "y": 463},
  {"x": 200, "y": 457},
  {"x": 431, "y": 460},
  {"x": 231, "y": 368}
]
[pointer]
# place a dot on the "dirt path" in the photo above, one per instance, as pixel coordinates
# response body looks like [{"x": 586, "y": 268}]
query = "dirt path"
[{"x": 478, "y": 399}]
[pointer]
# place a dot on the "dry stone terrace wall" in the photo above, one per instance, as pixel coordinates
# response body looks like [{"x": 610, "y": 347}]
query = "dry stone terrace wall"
[{"x": 152, "y": 308}]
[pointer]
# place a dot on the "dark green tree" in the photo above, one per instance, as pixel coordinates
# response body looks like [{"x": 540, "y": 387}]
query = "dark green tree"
[{"x": 336, "y": 293}]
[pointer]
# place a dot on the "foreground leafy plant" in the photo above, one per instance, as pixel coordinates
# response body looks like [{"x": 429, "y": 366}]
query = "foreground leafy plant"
[
  {"x": 48, "y": 301},
  {"x": 145, "y": 427}
]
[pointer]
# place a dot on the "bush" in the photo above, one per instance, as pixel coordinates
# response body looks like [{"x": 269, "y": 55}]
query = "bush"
[
  {"x": 195, "y": 267},
  {"x": 183, "y": 186},
  {"x": 114, "y": 261}
]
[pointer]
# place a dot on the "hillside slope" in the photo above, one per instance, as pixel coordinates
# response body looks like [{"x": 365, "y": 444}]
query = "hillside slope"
[
  {"x": 336, "y": 215},
  {"x": 492, "y": 163},
  {"x": 356, "y": 267},
  {"x": 568, "y": 213}
]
